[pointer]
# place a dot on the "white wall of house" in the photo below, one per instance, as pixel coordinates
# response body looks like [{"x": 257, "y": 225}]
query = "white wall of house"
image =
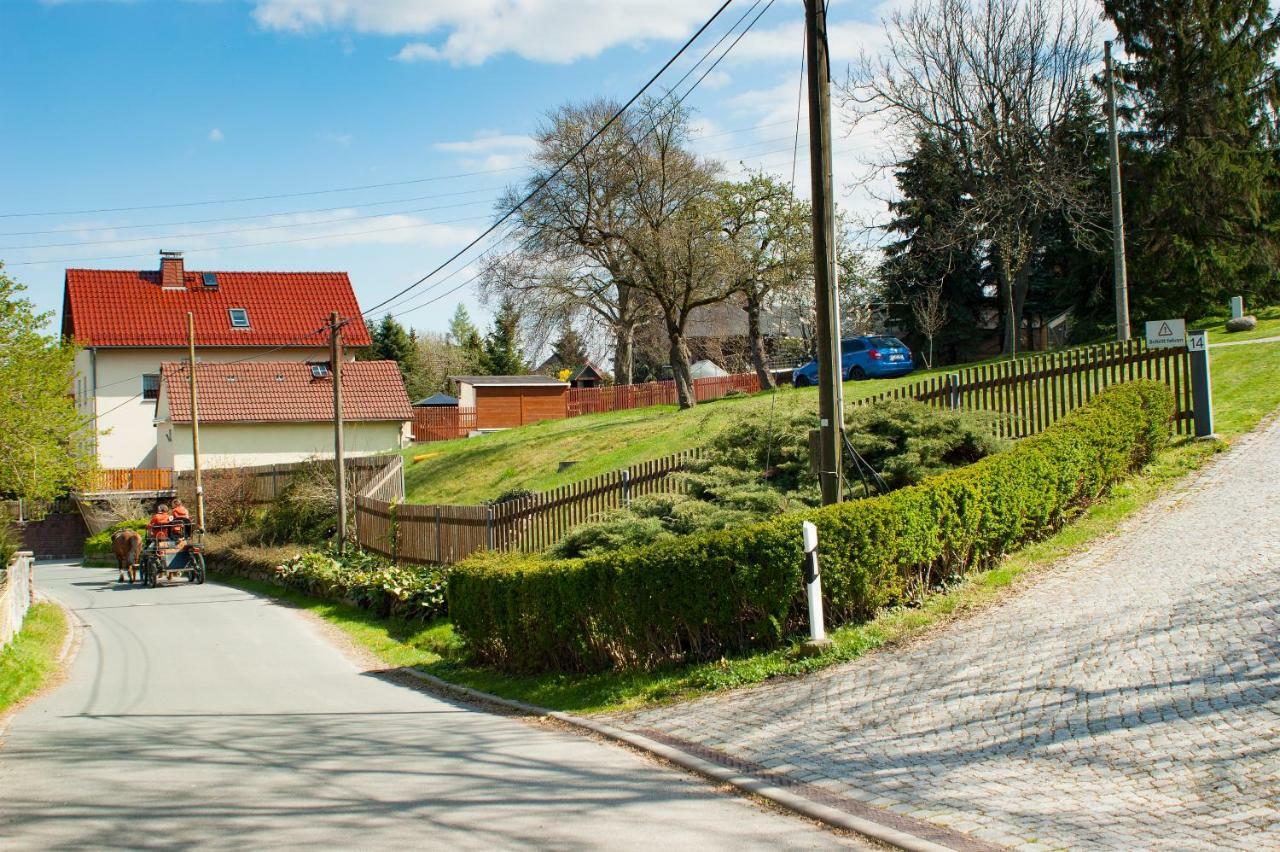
[
  {"x": 106, "y": 382},
  {"x": 247, "y": 444}
]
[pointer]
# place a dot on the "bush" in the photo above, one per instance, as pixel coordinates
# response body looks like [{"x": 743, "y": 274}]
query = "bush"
[
  {"x": 99, "y": 546},
  {"x": 8, "y": 543},
  {"x": 908, "y": 441},
  {"x": 701, "y": 596},
  {"x": 367, "y": 581}
]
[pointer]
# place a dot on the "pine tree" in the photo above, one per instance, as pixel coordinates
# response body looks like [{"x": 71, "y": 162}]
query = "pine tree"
[
  {"x": 570, "y": 350},
  {"x": 929, "y": 255},
  {"x": 1201, "y": 89},
  {"x": 502, "y": 355},
  {"x": 464, "y": 335},
  {"x": 391, "y": 342}
]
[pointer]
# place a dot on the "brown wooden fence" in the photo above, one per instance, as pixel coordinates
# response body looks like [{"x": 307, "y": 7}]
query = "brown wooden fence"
[
  {"x": 619, "y": 397},
  {"x": 129, "y": 479},
  {"x": 260, "y": 484},
  {"x": 1029, "y": 394},
  {"x": 447, "y": 534},
  {"x": 442, "y": 423}
]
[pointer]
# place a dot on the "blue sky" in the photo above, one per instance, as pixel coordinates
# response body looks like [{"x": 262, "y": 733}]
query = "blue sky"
[{"x": 137, "y": 104}]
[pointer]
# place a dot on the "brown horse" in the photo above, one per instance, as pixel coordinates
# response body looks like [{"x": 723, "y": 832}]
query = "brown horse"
[{"x": 127, "y": 546}]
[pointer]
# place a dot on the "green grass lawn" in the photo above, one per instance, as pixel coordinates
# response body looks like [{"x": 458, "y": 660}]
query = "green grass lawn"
[
  {"x": 32, "y": 658},
  {"x": 1246, "y": 389},
  {"x": 1268, "y": 326},
  {"x": 472, "y": 470}
]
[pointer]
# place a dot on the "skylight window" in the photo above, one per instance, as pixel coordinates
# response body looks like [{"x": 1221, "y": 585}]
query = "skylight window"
[
  {"x": 239, "y": 317},
  {"x": 320, "y": 370}
]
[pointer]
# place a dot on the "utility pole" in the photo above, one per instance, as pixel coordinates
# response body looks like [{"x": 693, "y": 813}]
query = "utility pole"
[
  {"x": 818, "y": 68},
  {"x": 195, "y": 418},
  {"x": 339, "y": 463},
  {"x": 1117, "y": 207}
]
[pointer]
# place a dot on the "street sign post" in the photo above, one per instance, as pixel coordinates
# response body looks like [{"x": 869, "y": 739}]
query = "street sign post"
[
  {"x": 1166, "y": 334},
  {"x": 1201, "y": 387}
]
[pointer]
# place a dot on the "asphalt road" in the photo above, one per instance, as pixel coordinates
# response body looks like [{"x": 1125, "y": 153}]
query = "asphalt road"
[{"x": 202, "y": 715}]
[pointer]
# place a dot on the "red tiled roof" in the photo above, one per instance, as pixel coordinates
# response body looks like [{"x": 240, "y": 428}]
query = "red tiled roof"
[
  {"x": 117, "y": 307},
  {"x": 285, "y": 392}
]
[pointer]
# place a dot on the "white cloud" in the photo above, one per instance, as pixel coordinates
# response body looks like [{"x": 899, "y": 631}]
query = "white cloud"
[
  {"x": 342, "y": 140},
  {"x": 215, "y": 135},
  {"x": 468, "y": 32},
  {"x": 486, "y": 141}
]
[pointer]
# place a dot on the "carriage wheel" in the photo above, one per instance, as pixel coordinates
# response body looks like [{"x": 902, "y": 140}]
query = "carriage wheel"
[{"x": 199, "y": 573}]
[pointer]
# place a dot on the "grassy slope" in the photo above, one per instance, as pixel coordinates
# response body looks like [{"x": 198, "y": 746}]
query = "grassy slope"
[
  {"x": 32, "y": 657},
  {"x": 1246, "y": 388},
  {"x": 1268, "y": 326},
  {"x": 471, "y": 470}
]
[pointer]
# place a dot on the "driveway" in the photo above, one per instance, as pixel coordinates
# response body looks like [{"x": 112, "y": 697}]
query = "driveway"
[
  {"x": 1128, "y": 700},
  {"x": 205, "y": 716}
]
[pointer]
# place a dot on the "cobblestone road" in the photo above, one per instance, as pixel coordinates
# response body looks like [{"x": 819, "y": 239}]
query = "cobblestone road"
[{"x": 1129, "y": 700}]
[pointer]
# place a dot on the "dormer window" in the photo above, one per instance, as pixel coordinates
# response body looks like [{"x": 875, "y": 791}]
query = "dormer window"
[{"x": 239, "y": 317}]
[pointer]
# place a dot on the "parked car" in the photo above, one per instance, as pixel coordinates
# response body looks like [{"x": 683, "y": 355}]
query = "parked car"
[{"x": 863, "y": 358}]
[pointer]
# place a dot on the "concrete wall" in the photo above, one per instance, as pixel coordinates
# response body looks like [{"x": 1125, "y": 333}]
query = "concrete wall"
[
  {"x": 106, "y": 380},
  {"x": 247, "y": 444}
]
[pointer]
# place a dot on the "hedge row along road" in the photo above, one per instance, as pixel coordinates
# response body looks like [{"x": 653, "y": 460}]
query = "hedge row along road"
[
  {"x": 205, "y": 716},
  {"x": 727, "y": 591}
]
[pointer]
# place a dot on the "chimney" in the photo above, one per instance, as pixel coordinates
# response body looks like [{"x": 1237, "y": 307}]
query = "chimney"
[{"x": 171, "y": 269}]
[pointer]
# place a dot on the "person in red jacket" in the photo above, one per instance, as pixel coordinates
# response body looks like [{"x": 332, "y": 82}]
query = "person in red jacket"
[
  {"x": 160, "y": 522},
  {"x": 181, "y": 518}
]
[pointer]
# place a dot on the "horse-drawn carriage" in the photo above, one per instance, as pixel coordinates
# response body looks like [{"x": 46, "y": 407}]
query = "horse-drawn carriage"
[{"x": 174, "y": 554}]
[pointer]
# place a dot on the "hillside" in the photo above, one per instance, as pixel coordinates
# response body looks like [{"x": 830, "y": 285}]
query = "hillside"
[{"x": 472, "y": 470}]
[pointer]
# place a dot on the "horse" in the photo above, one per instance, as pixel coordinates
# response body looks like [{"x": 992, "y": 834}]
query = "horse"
[{"x": 127, "y": 546}]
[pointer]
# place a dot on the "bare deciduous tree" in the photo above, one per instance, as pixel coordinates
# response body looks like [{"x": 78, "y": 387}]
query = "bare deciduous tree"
[
  {"x": 1001, "y": 81},
  {"x": 930, "y": 312}
]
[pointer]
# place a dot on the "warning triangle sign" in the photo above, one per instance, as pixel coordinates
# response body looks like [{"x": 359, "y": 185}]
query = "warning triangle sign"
[{"x": 1165, "y": 331}]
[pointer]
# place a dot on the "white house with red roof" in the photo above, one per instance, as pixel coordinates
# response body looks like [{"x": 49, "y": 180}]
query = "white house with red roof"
[
  {"x": 128, "y": 323},
  {"x": 274, "y": 412}
]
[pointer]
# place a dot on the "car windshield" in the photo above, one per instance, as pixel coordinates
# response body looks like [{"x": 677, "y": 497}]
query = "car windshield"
[{"x": 886, "y": 343}]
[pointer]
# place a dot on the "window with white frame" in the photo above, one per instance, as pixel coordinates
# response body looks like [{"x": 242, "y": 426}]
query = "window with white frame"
[{"x": 239, "y": 317}]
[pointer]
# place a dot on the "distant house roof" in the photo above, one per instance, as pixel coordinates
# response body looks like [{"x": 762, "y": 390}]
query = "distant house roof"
[
  {"x": 436, "y": 399},
  {"x": 118, "y": 307},
  {"x": 706, "y": 369},
  {"x": 509, "y": 381},
  {"x": 587, "y": 371},
  {"x": 285, "y": 392}
]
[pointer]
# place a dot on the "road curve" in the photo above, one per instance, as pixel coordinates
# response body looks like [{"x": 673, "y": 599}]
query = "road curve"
[{"x": 203, "y": 715}]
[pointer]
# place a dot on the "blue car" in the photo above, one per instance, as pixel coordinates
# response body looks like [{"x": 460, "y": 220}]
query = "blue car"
[{"x": 863, "y": 358}]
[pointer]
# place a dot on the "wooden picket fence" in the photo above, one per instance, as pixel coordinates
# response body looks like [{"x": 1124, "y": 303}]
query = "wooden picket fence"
[
  {"x": 1029, "y": 394},
  {"x": 129, "y": 479},
  {"x": 619, "y": 397},
  {"x": 440, "y": 534},
  {"x": 442, "y": 423},
  {"x": 262, "y": 484}
]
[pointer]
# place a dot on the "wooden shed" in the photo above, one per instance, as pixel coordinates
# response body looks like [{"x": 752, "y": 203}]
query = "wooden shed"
[{"x": 503, "y": 402}]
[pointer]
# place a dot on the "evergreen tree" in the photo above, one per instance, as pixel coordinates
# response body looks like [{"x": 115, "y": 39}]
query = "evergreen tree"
[
  {"x": 930, "y": 255},
  {"x": 1201, "y": 90},
  {"x": 466, "y": 337},
  {"x": 569, "y": 349},
  {"x": 391, "y": 342},
  {"x": 502, "y": 355}
]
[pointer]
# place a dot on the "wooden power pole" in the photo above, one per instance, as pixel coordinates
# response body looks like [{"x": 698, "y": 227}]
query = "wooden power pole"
[
  {"x": 339, "y": 463},
  {"x": 1117, "y": 207},
  {"x": 830, "y": 374},
  {"x": 195, "y": 418}
]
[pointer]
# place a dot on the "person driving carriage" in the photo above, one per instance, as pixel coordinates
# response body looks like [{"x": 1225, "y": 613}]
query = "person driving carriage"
[
  {"x": 164, "y": 526},
  {"x": 181, "y": 518}
]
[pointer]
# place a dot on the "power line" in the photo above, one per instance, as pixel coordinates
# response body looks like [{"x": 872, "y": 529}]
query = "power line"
[{"x": 515, "y": 208}]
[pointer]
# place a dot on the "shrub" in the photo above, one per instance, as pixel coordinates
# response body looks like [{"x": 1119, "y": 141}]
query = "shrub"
[
  {"x": 698, "y": 597},
  {"x": 99, "y": 546},
  {"x": 8, "y": 543},
  {"x": 367, "y": 581},
  {"x": 908, "y": 441}
]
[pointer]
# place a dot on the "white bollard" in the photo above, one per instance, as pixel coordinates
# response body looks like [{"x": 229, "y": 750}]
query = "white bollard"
[{"x": 818, "y": 641}]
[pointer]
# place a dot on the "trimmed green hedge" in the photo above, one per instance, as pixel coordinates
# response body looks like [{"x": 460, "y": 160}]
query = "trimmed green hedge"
[{"x": 708, "y": 594}]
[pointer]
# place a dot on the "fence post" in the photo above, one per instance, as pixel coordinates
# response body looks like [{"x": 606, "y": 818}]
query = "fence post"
[
  {"x": 439, "y": 544},
  {"x": 626, "y": 488},
  {"x": 1201, "y": 389},
  {"x": 953, "y": 382}
]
